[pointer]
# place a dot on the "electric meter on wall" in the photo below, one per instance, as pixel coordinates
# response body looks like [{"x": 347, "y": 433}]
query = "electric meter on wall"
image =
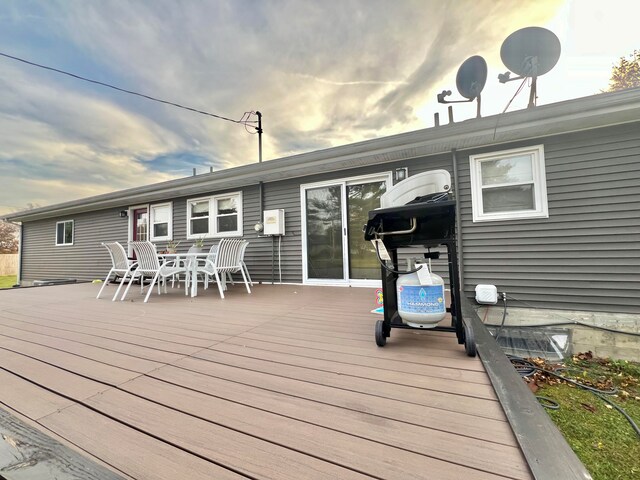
[{"x": 273, "y": 222}]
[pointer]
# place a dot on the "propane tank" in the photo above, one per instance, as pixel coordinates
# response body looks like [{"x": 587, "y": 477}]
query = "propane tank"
[{"x": 421, "y": 298}]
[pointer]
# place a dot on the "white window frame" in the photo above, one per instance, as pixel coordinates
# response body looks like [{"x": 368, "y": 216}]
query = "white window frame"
[
  {"x": 152, "y": 222},
  {"x": 541, "y": 209},
  {"x": 63, "y": 228},
  {"x": 213, "y": 216}
]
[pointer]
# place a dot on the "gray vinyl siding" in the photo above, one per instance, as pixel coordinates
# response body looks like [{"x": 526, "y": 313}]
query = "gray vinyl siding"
[
  {"x": 86, "y": 259},
  {"x": 586, "y": 255}
]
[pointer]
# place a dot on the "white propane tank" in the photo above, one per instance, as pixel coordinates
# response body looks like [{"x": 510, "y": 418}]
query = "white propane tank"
[{"x": 421, "y": 303}]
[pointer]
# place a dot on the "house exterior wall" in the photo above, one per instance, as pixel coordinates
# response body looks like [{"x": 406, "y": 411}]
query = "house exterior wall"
[
  {"x": 86, "y": 259},
  {"x": 585, "y": 256}
]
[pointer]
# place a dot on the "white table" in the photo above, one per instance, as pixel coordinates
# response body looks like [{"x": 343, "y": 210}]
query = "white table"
[{"x": 192, "y": 262}]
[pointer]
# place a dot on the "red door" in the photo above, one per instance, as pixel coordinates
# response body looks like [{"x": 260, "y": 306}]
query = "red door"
[{"x": 140, "y": 227}]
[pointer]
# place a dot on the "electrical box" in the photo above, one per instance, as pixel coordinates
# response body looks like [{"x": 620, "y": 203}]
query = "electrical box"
[
  {"x": 486, "y": 294},
  {"x": 273, "y": 221}
]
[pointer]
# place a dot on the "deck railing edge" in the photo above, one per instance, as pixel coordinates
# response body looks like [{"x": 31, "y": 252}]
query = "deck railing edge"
[{"x": 546, "y": 451}]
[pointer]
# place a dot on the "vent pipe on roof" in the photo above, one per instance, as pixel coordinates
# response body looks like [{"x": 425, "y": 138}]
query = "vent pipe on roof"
[
  {"x": 259, "y": 130},
  {"x": 194, "y": 171}
]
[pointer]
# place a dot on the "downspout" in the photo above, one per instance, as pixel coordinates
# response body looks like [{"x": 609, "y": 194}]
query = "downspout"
[
  {"x": 454, "y": 160},
  {"x": 19, "y": 276}
]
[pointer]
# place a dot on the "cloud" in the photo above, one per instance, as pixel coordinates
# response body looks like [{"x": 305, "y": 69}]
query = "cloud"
[{"x": 322, "y": 74}]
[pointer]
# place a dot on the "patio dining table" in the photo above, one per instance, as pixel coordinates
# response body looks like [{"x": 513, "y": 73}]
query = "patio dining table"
[{"x": 191, "y": 260}]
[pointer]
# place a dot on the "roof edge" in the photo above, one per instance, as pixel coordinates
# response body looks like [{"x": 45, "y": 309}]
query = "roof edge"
[{"x": 595, "y": 111}]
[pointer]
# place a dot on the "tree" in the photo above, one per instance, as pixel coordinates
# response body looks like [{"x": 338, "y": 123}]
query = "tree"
[
  {"x": 8, "y": 238},
  {"x": 626, "y": 74}
]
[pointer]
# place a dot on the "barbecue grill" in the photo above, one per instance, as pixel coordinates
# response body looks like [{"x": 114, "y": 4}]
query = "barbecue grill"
[{"x": 427, "y": 220}]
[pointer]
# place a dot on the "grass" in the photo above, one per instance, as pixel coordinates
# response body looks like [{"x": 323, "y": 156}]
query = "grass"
[
  {"x": 8, "y": 281},
  {"x": 601, "y": 437}
]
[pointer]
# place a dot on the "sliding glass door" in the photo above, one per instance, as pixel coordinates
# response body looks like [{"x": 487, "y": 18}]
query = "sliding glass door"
[{"x": 334, "y": 250}]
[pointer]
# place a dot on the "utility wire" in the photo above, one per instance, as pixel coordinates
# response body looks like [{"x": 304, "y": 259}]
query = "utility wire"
[{"x": 148, "y": 97}]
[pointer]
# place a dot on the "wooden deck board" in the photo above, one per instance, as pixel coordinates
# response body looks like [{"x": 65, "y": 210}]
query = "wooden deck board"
[
  {"x": 350, "y": 359},
  {"x": 130, "y": 451},
  {"x": 276, "y": 384},
  {"x": 347, "y": 442},
  {"x": 127, "y": 348},
  {"x": 340, "y": 376}
]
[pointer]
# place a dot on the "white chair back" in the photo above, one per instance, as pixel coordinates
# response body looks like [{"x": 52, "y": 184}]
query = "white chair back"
[
  {"x": 213, "y": 253},
  {"x": 146, "y": 255},
  {"x": 227, "y": 256},
  {"x": 243, "y": 247},
  {"x": 118, "y": 255}
]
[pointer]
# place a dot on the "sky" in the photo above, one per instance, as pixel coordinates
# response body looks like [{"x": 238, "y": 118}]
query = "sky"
[{"x": 322, "y": 74}]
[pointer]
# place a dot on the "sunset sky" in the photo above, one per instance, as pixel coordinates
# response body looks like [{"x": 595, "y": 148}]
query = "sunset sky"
[{"x": 322, "y": 73}]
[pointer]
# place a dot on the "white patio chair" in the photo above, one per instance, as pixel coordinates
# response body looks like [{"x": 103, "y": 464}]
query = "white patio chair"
[
  {"x": 227, "y": 261},
  {"x": 121, "y": 265},
  {"x": 149, "y": 264},
  {"x": 243, "y": 247},
  {"x": 213, "y": 253}
]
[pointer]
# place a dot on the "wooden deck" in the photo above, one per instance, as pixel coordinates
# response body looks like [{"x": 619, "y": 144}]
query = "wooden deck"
[{"x": 285, "y": 383}]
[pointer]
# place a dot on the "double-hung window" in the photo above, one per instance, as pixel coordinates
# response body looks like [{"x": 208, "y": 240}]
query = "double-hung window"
[
  {"x": 509, "y": 185},
  {"x": 161, "y": 220},
  {"x": 64, "y": 233},
  {"x": 216, "y": 216}
]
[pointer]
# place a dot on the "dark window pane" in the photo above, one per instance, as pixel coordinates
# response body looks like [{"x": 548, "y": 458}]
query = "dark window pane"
[
  {"x": 508, "y": 199},
  {"x": 324, "y": 232},
  {"x": 200, "y": 225},
  {"x": 228, "y": 224},
  {"x": 161, "y": 230},
  {"x": 60, "y": 233},
  {"x": 362, "y": 198},
  {"x": 68, "y": 232}
]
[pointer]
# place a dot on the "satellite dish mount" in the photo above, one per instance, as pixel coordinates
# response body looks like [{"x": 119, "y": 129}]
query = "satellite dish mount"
[
  {"x": 470, "y": 80},
  {"x": 529, "y": 53}
]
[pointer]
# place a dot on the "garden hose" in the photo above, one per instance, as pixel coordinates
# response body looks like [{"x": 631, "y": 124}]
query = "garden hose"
[{"x": 526, "y": 368}]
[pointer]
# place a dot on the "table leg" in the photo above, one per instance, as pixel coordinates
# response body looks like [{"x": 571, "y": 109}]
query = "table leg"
[{"x": 194, "y": 277}]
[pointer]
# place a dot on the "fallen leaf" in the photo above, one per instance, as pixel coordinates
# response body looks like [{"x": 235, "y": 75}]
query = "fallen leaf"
[
  {"x": 609, "y": 406},
  {"x": 533, "y": 387},
  {"x": 589, "y": 407}
]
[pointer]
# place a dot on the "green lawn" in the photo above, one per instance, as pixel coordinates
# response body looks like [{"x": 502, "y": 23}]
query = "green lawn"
[
  {"x": 8, "y": 281},
  {"x": 601, "y": 437}
]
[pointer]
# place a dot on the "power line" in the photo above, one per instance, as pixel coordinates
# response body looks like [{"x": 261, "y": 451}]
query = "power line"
[{"x": 242, "y": 121}]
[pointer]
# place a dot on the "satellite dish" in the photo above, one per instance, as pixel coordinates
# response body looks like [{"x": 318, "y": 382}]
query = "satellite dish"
[
  {"x": 529, "y": 52},
  {"x": 471, "y": 77},
  {"x": 470, "y": 80}
]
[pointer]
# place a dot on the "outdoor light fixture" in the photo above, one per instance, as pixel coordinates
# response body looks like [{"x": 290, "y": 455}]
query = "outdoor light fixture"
[
  {"x": 124, "y": 213},
  {"x": 400, "y": 174}
]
